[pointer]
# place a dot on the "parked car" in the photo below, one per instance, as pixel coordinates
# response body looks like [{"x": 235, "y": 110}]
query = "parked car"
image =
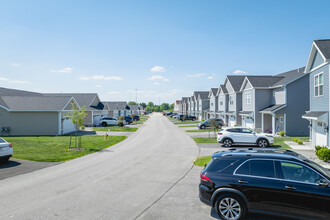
[
  {"x": 136, "y": 118},
  {"x": 173, "y": 115},
  {"x": 274, "y": 181},
  {"x": 208, "y": 123},
  {"x": 6, "y": 150},
  {"x": 108, "y": 121},
  {"x": 242, "y": 136},
  {"x": 169, "y": 113},
  {"x": 164, "y": 113},
  {"x": 177, "y": 116},
  {"x": 187, "y": 117},
  {"x": 128, "y": 119}
]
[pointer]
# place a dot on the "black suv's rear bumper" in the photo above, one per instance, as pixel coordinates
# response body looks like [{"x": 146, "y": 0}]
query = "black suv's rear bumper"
[{"x": 205, "y": 195}]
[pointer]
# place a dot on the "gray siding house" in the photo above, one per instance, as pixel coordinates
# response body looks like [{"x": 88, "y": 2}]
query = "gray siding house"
[
  {"x": 318, "y": 70},
  {"x": 201, "y": 104},
  {"x": 213, "y": 97},
  {"x": 233, "y": 84},
  {"x": 270, "y": 103},
  {"x": 185, "y": 105},
  {"x": 223, "y": 103},
  {"x": 29, "y": 113}
]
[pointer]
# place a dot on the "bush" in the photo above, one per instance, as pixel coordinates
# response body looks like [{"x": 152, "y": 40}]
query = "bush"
[
  {"x": 203, "y": 119},
  {"x": 297, "y": 140},
  {"x": 82, "y": 127},
  {"x": 121, "y": 124},
  {"x": 237, "y": 125},
  {"x": 323, "y": 153},
  {"x": 282, "y": 133}
]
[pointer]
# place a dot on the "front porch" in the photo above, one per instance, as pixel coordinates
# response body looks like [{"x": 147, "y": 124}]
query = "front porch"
[
  {"x": 230, "y": 118},
  {"x": 319, "y": 128},
  {"x": 271, "y": 121}
]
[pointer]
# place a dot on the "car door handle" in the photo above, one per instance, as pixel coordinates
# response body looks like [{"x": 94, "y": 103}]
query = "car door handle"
[
  {"x": 243, "y": 181},
  {"x": 290, "y": 187}
]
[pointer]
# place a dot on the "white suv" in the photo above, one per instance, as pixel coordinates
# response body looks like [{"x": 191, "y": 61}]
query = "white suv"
[
  {"x": 241, "y": 135},
  {"x": 6, "y": 150},
  {"x": 108, "y": 121}
]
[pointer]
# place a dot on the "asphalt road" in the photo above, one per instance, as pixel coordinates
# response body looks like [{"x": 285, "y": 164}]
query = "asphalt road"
[
  {"x": 121, "y": 182},
  {"x": 148, "y": 176}
]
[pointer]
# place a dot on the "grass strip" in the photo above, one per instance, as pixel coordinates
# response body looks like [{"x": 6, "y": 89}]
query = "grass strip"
[
  {"x": 55, "y": 148},
  {"x": 115, "y": 129},
  {"x": 202, "y": 161}
]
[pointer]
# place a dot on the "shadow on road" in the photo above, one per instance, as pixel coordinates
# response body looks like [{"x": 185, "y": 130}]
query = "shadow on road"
[
  {"x": 251, "y": 216},
  {"x": 9, "y": 164}
]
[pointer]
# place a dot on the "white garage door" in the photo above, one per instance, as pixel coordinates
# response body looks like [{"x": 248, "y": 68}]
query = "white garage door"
[
  {"x": 320, "y": 135},
  {"x": 68, "y": 126},
  {"x": 249, "y": 123},
  {"x": 231, "y": 122},
  {"x": 96, "y": 119}
]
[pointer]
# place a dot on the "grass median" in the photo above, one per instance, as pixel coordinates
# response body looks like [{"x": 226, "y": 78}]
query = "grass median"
[
  {"x": 203, "y": 130},
  {"x": 56, "y": 148},
  {"x": 185, "y": 122},
  {"x": 115, "y": 129}
]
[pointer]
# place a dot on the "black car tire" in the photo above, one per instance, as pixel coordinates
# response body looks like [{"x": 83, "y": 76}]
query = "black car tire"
[
  {"x": 4, "y": 160},
  {"x": 227, "y": 142},
  {"x": 104, "y": 124},
  {"x": 234, "y": 204},
  {"x": 263, "y": 143},
  {"x": 193, "y": 119},
  {"x": 203, "y": 126}
]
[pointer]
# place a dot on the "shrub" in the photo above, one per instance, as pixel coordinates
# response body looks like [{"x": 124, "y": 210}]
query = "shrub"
[
  {"x": 121, "y": 124},
  {"x": 237, "y": 125},
  {"x": 282, "y": 133},
  {"x": 297, "y": 140},
  {"x": 203, "y": 119},
  {"x": 120, "y": 118},
  {"x": 82, "y": 127},
  {"x": 323, "y": 153}
]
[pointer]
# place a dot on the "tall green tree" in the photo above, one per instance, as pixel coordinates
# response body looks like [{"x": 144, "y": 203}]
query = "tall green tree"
[
  {"x": 144, "y": 105},
  {"x": 131, "y": 103},
  {"x": 164, "y": 106},
  {"x": 151, "y": 104}
]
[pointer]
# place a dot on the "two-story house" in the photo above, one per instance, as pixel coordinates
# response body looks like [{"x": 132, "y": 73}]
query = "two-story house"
[
  {"x": 222, "y": 95},
  {"x": 318, "y": 70},
  {"x": 213, "y": 103},
  {"x": 233, "y": 85},
  {"x": 203, "y": 104},
  {"x": 271, "y": 103}
]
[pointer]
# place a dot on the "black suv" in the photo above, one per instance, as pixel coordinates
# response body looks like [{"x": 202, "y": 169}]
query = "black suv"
[
  {"x": 271, "y": 181},
  {"x": 187, "y": 117}
]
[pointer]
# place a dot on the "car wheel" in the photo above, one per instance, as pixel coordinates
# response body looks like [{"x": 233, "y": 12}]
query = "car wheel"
[
  {"x": 4, "y": 160},
  {"x": 262, "y": 143},
  {"x": 230, "y": 207},
  {"x": 219, "y": 126},
  {"x": 227, "y": 142},
  {"x": 193, "y": 119},
  {"x": 104, "y": 124},
  {"x": 202, "y": 126}
]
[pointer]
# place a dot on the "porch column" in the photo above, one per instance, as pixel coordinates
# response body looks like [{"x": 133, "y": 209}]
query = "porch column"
[
  {"x": 284, "y": 121},
  {"x": 262, "y": 122},
  {"x": 273, "y": 123}
]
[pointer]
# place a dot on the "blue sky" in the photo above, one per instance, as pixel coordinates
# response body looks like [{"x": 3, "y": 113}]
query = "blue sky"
[{"x": 164, "y": 49}]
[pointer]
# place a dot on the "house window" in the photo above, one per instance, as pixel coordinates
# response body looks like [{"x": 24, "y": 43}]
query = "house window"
[
  {"x": 221, "y": 103},
  {"x": 231, "y": 102},
  {"x": 212, "y": 104},
  {"x": 281, "y": 119},
  {"x": 320, "y": 124},
  {"x": 248, "y": 98},
  {"x": 318, "y": 85}
]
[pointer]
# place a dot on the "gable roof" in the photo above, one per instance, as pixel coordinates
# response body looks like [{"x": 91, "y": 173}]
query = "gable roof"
[
  {"x": 15, "y": 92},
  {"x": 116, "y": 105},
  {"x": 185, "y": 99},
  {"x": 202, "y": 94},
  {"x": 324, "y": 47},
  {"x": 213, "y": 91},
  {"x": 36, "y": 103},
  {"x": 235, "y": 81},
  {"x": 223, "y": 88},
  {"x": 83, "y": 99}
]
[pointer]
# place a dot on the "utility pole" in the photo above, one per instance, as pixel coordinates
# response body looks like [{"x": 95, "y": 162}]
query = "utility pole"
[{"x": 136, "y": 96}]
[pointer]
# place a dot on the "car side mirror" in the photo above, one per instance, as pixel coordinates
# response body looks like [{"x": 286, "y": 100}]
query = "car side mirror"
[{"x": 323, "y": 183}]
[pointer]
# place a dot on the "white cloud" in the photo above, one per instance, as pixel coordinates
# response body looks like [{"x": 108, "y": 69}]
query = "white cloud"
[
  {"x": 156, "y": 83},
  {"x": 158, "y": 77},
  {"x": 196, "y": 75},
  {"x": 14, "y": 64},
  {"x": 18, "y": 81},
  {"x": 239, "y": 72},
  {"x": 3, "y": 79},
  {"x": 101, "y": 77},
  {"x": 65, "y": 70},
  {"x": 210, "y": 77},
  {"x": 98, "y": 86},
  {"x": 158, "y": 69}
]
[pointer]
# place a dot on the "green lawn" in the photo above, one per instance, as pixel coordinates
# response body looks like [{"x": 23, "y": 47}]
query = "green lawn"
[
  {"x": 55, "y": 148},
  {"x": 203, "y": 130},
  {"x": 201, "y": 161},
  {"x": 115, "y": 129},
  {"x": 185, "y": 122},
  {"x": 278, "y": 141},
  {"x": 206, "y": 140},
  {"x": 187, "y": 126}
]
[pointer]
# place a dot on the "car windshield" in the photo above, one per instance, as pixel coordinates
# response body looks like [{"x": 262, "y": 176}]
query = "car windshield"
[{"x": 2, "y": 140}]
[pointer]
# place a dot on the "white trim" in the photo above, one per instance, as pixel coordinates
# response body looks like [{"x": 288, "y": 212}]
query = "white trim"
[
  {"x": 262, "y": 122},
  {"x": 319, "y": 66},
  {"x": 72, "y": 98},
  {"x": 94, "y": 99},
  {"x": 273, "y": 123},
  {"x": 59, "y": 123},
  {"x": 319, "y": 51},
  {"x": 284, "y": 121},
  {"x": 318, "y": 74}
]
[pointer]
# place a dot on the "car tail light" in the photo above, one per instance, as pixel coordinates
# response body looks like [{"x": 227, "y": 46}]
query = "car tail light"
[
  {"x": 205, "y": 178},
  {"x": 219, "y": 133},
  {"x": 10, "y": 146}
]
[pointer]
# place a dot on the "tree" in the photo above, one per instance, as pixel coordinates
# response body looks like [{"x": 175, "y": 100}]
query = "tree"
[
  {"x": 164, "y": 106},
  {"x": 144, "y": 105},
  {"x": 77, "y": 117},
  {"x": 131, "y": 103},
  {"x": 151, "y": 104},
  {"x": 213, "y": 125}
]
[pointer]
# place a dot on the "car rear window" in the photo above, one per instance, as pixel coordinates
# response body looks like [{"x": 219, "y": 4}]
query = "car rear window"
[
  {"x": 2, "y": 140},
  {"x": 222, "y": 165}
]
